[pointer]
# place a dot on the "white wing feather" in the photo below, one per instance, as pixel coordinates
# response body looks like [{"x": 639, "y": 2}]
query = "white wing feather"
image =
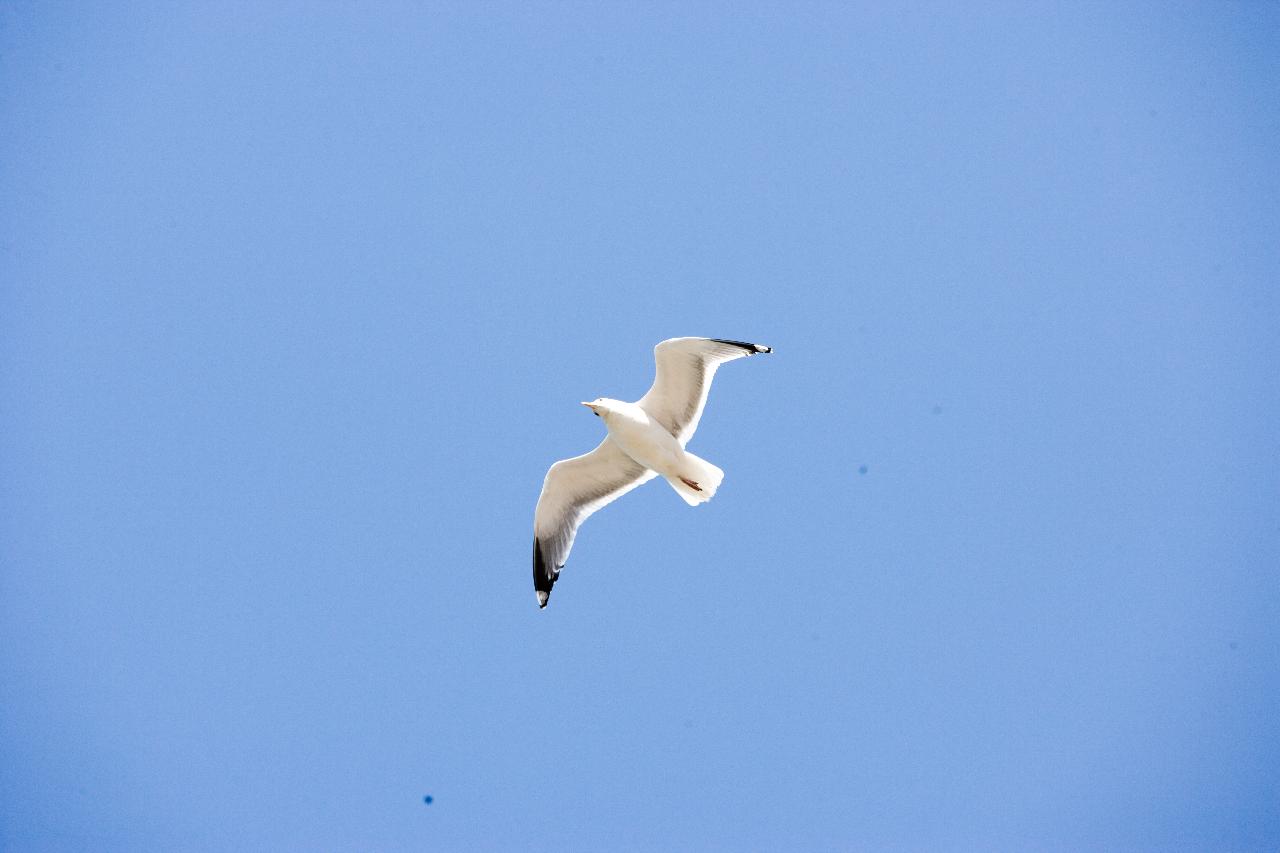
[
  {"x": 686, "y": 367},
  {"x": 573, "y": 490}
]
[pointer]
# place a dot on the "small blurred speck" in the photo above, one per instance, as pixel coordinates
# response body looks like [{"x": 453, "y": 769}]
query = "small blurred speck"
[
  {"x": 1234, "y": 645},
  {"x": 428, "y": 799},
  {"x": 937, "y": 410},
  {"x": 862, "y": 469}
]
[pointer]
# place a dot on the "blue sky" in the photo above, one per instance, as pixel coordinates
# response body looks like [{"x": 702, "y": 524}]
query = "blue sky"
[{"x": 297, "y": 301}]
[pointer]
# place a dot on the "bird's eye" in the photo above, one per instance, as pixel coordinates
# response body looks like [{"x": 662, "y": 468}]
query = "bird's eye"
[{"x": 597, "y": 414}]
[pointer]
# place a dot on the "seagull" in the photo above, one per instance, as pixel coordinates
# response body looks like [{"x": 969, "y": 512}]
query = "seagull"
[{"x": 646, "y": 439}]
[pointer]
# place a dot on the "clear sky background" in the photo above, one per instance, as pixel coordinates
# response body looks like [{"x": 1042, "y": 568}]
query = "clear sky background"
[{"x": 297, "y": 302}]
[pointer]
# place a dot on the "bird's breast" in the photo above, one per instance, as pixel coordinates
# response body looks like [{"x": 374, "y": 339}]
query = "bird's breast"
[{"x": 645, "y": 441}]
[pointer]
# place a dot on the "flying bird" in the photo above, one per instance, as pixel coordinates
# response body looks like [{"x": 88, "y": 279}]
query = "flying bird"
[{"x": 646, "y": 439}]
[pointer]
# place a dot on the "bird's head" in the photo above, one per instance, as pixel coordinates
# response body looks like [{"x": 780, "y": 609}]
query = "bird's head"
[{"x": 600, "y": 406}]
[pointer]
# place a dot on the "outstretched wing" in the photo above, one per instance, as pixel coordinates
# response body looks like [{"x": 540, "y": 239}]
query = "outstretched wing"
[
  {"x": 685, "y": 369},
  {"x": 574, "y": 489}
]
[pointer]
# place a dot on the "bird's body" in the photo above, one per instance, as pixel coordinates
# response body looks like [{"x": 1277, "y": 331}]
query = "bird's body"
[
  {"x": 639, "y": 435},
  {"x": 646, "y": 439}
]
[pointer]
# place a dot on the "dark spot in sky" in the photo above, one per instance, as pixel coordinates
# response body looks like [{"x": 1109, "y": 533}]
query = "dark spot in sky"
[
  {"x": 428, "y": 799},
  {"x": 937, "y": 410},
  {"x": 1234, "y": 645},
  {"x": 862, "y": 469}
]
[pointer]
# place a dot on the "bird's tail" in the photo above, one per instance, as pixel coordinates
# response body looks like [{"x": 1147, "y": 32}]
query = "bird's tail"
[{"x": 697, "y": 480}]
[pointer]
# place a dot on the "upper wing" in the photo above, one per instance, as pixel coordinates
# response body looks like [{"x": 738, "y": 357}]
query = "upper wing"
[
  {"x": 574, "y": 489},
  {"x": 685, "y": 369}
]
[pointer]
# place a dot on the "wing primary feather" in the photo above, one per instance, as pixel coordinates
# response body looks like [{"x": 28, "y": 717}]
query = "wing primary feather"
[
  {"x": 544, "y": 577},
  {"x": 751, "y": 349}
]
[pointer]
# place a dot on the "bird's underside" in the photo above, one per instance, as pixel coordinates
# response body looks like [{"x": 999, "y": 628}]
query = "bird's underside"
[{"x": 575, "y": 488}]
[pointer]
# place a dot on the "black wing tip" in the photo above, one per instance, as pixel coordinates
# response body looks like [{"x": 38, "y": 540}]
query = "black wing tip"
[
  {"x": 751, "y": 349},
  {"x": 544, "y": 577}
]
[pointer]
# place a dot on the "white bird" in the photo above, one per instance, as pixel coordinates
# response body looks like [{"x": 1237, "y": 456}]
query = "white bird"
[{"x": 646, "y": 439}]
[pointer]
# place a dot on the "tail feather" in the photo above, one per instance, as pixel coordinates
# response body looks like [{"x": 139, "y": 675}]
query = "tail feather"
[{"x": 707, "y": 477}]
